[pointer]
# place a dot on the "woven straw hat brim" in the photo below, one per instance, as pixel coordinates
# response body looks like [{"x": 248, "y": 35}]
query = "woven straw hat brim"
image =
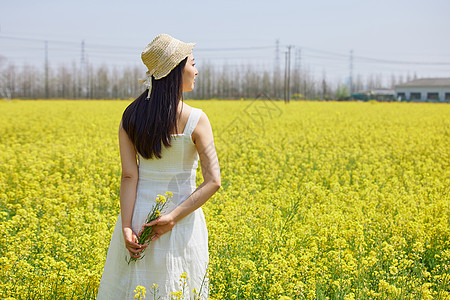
[
  {"x": 183, "y": 51},
  {"x": 163, "y": 54}
]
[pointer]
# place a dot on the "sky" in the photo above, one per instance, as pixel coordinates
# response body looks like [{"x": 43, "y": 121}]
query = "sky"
[{"x": 387, "y": 37}]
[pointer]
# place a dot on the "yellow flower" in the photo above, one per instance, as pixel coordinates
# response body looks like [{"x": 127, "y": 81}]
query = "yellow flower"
[
  {"x": 160, "y": 199},
  {"x": 393, "y": 270},
  {"x": 157, "y": 213},
  {"x": 169, "y": 194},
  {"x": 140, "y": 292},
  {"x": 176, "y": 295}
]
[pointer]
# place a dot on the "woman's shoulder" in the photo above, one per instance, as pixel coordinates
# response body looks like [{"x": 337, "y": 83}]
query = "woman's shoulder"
[
  {"x": 189, "y": 108},
  {"x": 202, "y": 128},
  {"x": 197, "y": 113}
]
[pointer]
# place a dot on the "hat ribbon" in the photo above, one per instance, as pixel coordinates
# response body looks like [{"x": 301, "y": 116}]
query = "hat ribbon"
[{"x": 147, "y": 81}]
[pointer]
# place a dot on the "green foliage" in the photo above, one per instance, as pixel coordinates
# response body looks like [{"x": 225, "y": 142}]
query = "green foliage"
[{"x": 342, "y": 92}]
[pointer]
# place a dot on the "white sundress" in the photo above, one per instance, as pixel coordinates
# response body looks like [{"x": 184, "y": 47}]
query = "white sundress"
[{"x": 184, "y": 249}]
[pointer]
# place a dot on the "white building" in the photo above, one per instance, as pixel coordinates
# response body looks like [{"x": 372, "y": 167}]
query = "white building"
[{"x": 425, "y": 89}]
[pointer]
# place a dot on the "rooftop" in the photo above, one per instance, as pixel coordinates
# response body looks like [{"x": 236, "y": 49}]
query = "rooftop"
[
  {"x": 379, "y": 91},
  {"x": 426, "y": 82}
]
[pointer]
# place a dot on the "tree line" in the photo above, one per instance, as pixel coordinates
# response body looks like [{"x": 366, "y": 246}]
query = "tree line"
[{"x": 220, "y": 82}]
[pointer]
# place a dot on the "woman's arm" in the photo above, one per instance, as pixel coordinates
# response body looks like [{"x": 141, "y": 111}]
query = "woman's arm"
[
  {"x": 204, "y": 142},
  {"x": 128, "y": 185}
]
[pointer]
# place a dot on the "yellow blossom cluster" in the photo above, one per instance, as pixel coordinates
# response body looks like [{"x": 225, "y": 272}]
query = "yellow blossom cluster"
[
  {"x": 160, "y": 199},
  {"x": 140, "y": 292},
  {"x": 318, "y": 200}
]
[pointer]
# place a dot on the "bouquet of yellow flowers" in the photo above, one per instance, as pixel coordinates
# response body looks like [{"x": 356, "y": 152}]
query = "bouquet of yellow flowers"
[{"x": 146, "y": 233}]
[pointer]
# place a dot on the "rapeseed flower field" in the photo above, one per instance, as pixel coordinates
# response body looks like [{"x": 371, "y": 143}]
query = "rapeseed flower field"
[{"x": 318, "y": 200}]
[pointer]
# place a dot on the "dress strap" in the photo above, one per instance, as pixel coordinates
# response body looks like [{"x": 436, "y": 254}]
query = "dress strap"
[{"x": 192, "y": 121}]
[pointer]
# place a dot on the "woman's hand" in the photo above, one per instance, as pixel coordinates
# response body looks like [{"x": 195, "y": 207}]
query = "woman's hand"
[
  {"x": 161, "y": 225},
  {"x": 131, "y": 242}
]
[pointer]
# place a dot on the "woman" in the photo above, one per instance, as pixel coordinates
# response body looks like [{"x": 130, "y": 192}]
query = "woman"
[{"x": 168, "y": 137}]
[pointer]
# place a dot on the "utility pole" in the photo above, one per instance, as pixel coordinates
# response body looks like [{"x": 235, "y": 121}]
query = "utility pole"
[
  {"x": 46, "y": 70},
  {"x": 298, "y": 59},
  {"x": 297, "y": 71},
  {"x": 351, "y": 73},
  {"x": 277, "y": 54},
  {"x": 287, "y": 75},
  {"x": 82, "y": 70},
  {"x": 276, "y": 70}
]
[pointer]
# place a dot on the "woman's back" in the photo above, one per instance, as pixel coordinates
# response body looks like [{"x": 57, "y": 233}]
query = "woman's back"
[
  {"x": 176, "y": 170},
  {"x": 182, "y": 155}
]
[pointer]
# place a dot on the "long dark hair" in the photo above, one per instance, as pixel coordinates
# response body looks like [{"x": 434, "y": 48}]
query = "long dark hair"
[{"x": 148, "y": 122}]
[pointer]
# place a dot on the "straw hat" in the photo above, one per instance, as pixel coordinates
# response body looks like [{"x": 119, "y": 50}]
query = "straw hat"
[{"x": 163, "y": 54}]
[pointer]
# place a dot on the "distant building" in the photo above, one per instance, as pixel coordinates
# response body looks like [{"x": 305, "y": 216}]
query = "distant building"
[
  {"x": 375, "y": 94},
  {"x": 425, "y": 89}
]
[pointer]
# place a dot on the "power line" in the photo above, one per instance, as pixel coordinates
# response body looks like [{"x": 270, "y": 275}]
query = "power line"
[
  {"x": 115, "y": 48},
  {"x": 234, "y": 49},
  {"x": 326, "y": 52},
  {"x": 377, "y": 59},
  {"x": 34, "y": 40},
  {"x": 398, "y": 62}
]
